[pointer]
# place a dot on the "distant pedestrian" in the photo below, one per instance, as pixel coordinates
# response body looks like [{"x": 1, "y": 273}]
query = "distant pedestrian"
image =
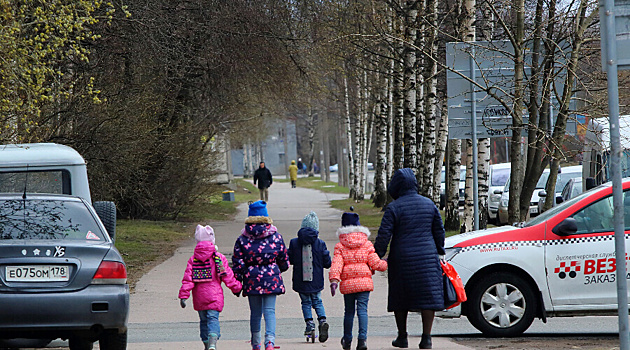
[
  {"x": 353, "y": 264},
  {"x": 315, "y": 168},
  {"x": 205, "y": 271},
  {"x": 300, "y": 166},
  {"x": 262, "y": 175},
  {"x": 259, "y": 258},
  {"x": 309, "y": 256},
  {"x": 293, "y": 171},
  {"x": 414, "y": 226}
]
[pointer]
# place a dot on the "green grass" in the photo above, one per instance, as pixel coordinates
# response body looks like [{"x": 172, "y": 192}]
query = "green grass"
[
  {"x": 144, "y": 244},
  {"x": 316, "y": 183},
  {"x": 369, "y": 216},
  {"x": 245, "y": 191}
]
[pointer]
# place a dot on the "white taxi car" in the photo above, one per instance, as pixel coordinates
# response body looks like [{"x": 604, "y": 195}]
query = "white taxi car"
[{"x": 560, "y": 263}]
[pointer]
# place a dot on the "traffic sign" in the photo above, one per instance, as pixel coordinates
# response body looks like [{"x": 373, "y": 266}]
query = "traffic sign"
[{"x": 622, "y": 35}]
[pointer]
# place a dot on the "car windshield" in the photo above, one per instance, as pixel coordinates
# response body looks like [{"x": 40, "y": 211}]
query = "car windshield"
[
  {"x": 499, "y": 177},
  {"x": 47, "y": 219},
  {"x": 554, "y": 210}
]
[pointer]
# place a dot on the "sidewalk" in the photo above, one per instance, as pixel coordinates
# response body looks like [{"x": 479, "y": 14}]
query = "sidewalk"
[{"x": 157, "y": 322}]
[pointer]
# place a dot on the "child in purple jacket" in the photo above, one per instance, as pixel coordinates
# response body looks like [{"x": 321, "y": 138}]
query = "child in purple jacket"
[
  {"x": 260, "y": 256},
  {"x": 205, "y": 271}
]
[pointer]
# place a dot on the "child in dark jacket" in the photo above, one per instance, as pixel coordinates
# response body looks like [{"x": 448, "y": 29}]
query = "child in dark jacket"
[
  {"x": 260, "y": 256},
  {"x": 309, "y": 256}
]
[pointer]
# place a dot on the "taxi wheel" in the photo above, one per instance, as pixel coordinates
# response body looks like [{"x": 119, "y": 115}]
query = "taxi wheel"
[{"x": 502, "y": 305}]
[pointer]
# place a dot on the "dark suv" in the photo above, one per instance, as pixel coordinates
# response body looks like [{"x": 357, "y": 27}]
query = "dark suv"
[{"x": 60, "y": 274}]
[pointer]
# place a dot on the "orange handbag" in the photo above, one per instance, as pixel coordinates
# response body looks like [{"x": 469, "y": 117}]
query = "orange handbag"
[{"x": 451, "y": 276}]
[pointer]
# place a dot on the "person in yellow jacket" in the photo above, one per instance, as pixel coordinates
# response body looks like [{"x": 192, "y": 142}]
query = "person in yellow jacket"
[{"x": 293, "y": 170}]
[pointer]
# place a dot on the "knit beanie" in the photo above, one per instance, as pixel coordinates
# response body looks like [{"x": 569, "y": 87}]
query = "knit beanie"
[
  {"x": 204, "y": 233},
  {"x": 311, "y": 221},
  {"x": 258, "y": 208},
  {"x": 350, "y": 219}
]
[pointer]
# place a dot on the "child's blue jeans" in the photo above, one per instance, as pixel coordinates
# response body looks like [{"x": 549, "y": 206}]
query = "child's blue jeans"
[
  {"x": 209, "y": 323},
  {"x": 312, "y": 301},
  {"x": 260, "y": 305},
  {"x": 358, "y": 301}
]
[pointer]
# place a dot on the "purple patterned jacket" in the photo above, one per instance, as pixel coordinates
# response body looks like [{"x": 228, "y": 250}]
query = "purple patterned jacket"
[{"x": 260, "y": 256}]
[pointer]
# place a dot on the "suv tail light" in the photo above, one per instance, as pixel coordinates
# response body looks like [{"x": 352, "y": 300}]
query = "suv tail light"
[{"x": 110, "y": 272}]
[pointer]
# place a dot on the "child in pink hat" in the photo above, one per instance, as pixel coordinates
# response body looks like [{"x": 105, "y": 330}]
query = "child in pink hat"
[{"x": 205, "y": 271}]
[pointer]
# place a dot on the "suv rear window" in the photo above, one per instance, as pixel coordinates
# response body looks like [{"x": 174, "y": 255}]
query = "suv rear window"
[
  {"x": 47, "y": 219},
  {"x": 46, "y": 181}
]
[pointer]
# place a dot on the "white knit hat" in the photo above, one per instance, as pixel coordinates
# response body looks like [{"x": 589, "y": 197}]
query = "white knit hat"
[{"x": 204, "y": 233}]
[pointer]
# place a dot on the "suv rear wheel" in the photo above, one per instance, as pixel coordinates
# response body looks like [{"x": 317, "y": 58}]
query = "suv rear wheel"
[{"x": 107, "y": 213}]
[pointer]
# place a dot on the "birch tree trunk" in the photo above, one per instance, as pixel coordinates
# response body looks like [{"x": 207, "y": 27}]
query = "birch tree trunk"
[
  {"x": 421, "y": 44},
  {"x": 430, "y": 105},
  {"x": 468, "y": 219},
  {"x": 409, "y": 56},
  {"x": 348, "y": 129},
  {"x": 246, "y": 168},
  {"x": 381, "y": 119},
  {"x": 440, "y": 149},
  {"x": 390, "y": 103},
  {"x": 358, "y": 144},
  {"x": 399, "y": 100},
  {"x": 326, "y": 165},
  {"x": 454, "y": 148},
  {"x": 483, "y": 168},
  {"x": 310, "y": 123}
]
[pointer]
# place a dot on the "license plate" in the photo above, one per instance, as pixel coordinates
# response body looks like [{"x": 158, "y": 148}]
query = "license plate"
[
  {"x": 533, "y": 210},
  {"x": 37, "y": 273}
]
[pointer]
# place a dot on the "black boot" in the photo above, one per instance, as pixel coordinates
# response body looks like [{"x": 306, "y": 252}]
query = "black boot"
[
  {"x": 425, "y": 343},
  {"x": 401, "y": 341},
  {"x": 323, "y": 330},
  {"x": 345, "y": 345},
  {"x": 361, "y": 344}
]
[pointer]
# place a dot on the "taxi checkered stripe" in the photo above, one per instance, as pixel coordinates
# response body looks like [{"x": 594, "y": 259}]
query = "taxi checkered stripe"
[
  {"x": 502, "y": 244},
  {"x": 531, "y": 243}
]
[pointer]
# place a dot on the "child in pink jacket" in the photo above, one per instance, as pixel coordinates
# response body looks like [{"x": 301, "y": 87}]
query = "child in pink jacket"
[
  {"x": 352, "y": 267},
  {"x": 206, "y": 269}
]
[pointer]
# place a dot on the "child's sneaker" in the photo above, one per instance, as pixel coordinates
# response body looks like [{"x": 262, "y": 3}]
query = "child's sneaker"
[
  {"x": 323, "y": 330},
  {"x": 212, "y": 342},
  {"x": 256, "y": 347},
  {"x": 269, "y": 346}
]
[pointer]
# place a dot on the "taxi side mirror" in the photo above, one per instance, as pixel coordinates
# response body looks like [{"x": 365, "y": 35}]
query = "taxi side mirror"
[
  {"x": 542, "y": 193},
  {"x": 567, "y": 227}
]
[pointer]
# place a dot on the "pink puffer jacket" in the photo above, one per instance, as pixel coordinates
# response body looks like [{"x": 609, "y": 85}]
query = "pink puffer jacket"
[{"x": 202, "y": 278}]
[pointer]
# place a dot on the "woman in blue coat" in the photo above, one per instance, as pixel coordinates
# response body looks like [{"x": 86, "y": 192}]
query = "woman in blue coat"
[{"x": 414, "y": 226}]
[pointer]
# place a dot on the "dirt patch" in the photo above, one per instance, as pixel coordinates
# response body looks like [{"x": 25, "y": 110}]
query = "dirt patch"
[{"x": 541, "y": 343}]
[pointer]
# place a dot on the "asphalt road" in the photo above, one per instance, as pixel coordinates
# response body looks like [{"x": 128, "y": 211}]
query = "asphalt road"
[{"x": 157, "y": 321}]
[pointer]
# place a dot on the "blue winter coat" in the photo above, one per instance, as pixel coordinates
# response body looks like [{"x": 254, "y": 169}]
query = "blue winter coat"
[
  {"x": 321, "y": 261},
  {"x": 260, "y": 256},
  {"x": 414, "y": 226}
]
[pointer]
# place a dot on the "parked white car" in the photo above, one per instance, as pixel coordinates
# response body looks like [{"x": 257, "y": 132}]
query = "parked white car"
[
  {"x": 564, "y": 175},
  {"x": 498, "y": 176}
]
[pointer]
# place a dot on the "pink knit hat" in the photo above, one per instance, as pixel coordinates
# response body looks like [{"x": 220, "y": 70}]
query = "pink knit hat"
[{"x": 204, "y": 233}]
